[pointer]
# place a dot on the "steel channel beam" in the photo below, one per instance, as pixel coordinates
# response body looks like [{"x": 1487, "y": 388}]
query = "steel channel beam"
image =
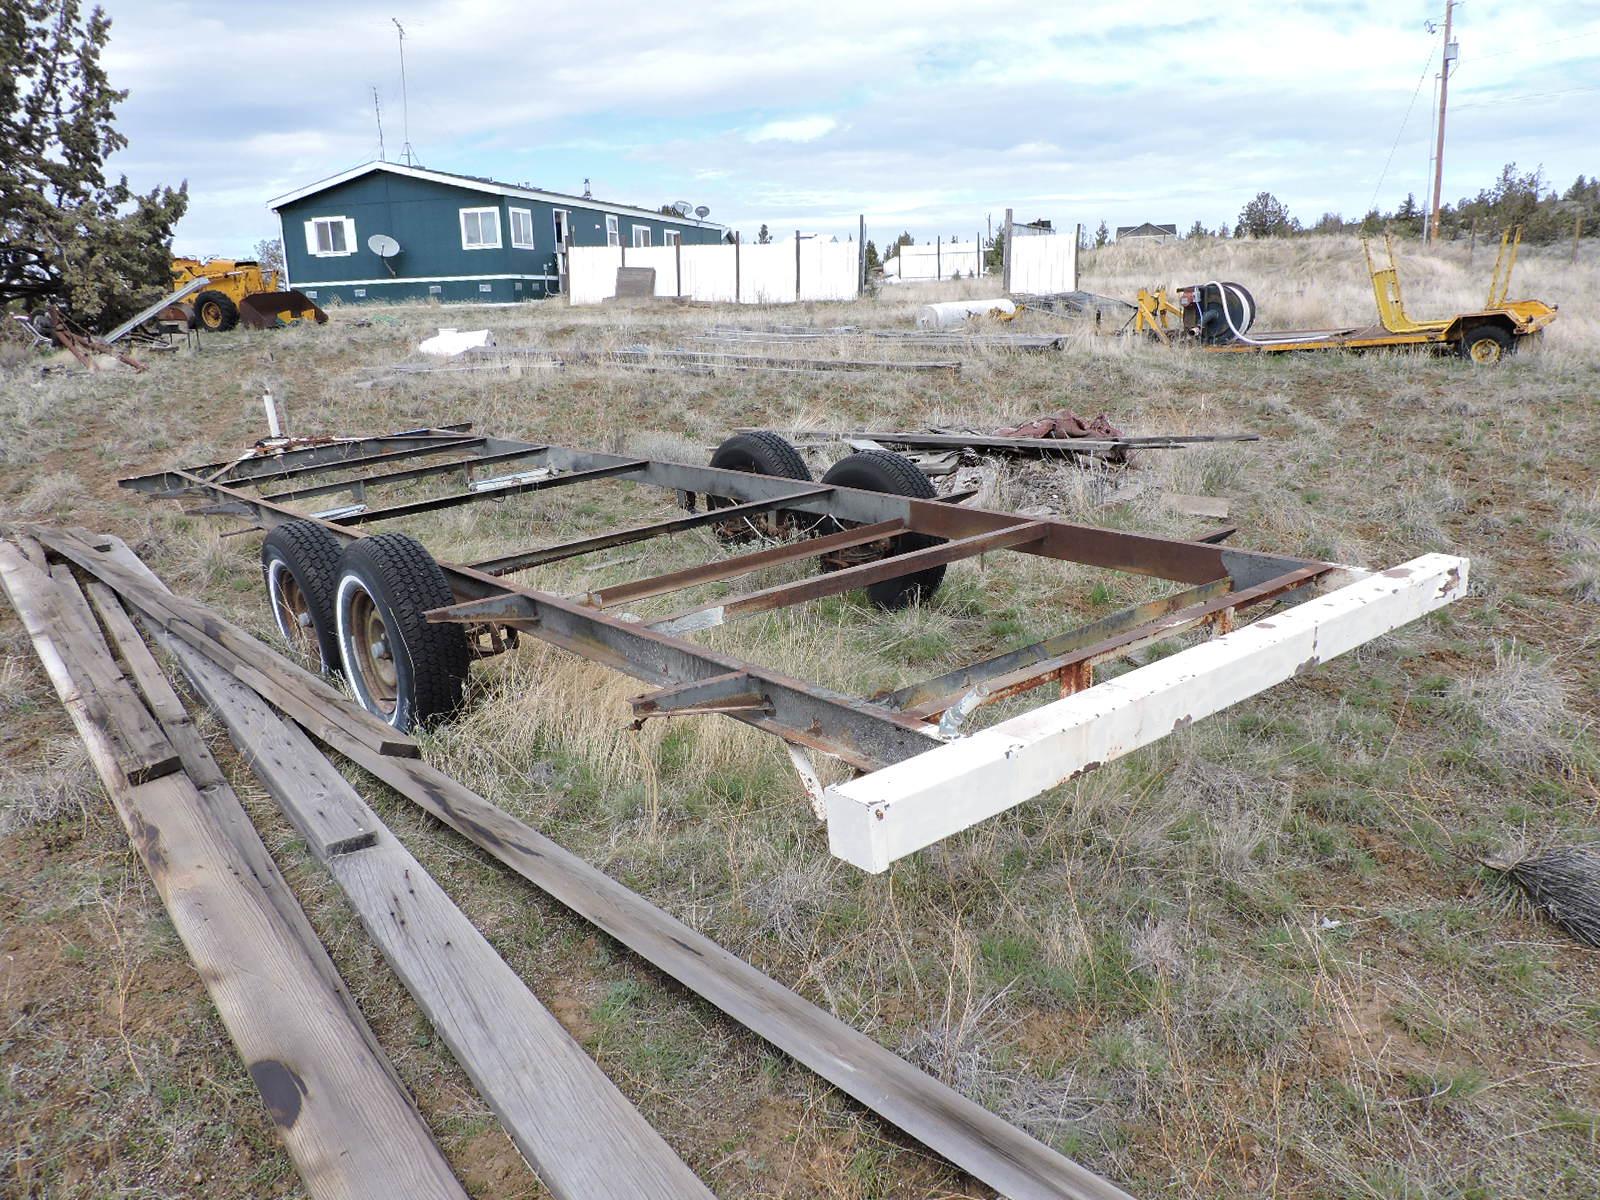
[
  {"x": 1118, "y": 645},
  {"x": 850, "y": 578},
  {"x": 435, "y": 503},
  {"x": 623, "y": 537},
  {"x": 742, "y": 564},
  {"x": 952, "y": 685},
  {"x": 864, "y": 734},
  {"x": 387, "y": 477}
]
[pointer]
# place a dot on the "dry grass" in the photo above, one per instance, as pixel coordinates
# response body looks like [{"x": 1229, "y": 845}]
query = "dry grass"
[{"x": 1251, "y": 960}]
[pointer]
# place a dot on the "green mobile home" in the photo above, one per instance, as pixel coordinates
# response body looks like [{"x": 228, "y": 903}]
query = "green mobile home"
[{"x": 459, "y": 237}]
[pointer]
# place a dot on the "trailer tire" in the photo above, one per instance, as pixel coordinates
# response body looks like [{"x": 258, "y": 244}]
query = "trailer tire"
[
  {"x": 760, "y": 453},
  {"x": 1486, "y": 345},
  {"x": 885, "y": 471},
  {"x": 402, "y": 668},
  {"x": 300, "y": 567},
  {"x": 215, "y": 312}
]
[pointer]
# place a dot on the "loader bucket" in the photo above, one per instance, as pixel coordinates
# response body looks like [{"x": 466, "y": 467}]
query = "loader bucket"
[{"x": 267, "y": 310}]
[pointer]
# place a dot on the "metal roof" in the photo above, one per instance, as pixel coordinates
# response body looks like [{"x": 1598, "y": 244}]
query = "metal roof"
[{"x": 477, "y": 183}]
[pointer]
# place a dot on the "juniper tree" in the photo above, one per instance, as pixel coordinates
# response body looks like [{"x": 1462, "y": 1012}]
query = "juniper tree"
[{"x": 66, "y": 234}]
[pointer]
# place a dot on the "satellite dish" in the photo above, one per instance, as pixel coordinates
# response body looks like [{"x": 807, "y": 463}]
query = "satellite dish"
[
  {"x": 383, "y": 245},
  {"x": 702, "y": 212},
  {"x": 681, "y": 208}
]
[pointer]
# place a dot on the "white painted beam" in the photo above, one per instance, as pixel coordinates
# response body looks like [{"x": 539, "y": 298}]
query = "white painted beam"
[{"x": 892, "y": 812}]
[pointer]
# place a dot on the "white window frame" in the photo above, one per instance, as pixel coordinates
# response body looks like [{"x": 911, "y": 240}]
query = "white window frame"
[
  {"x": 527, "y": 216},
  {"x": 613, "y": 230},
  {"x": 561, "y": 226},
  {"x": 314, "y": 238},
  {"x": 478, "y": 212},
  {"x": 671, "y": 237},
  {"x": 641, "y": 237}
]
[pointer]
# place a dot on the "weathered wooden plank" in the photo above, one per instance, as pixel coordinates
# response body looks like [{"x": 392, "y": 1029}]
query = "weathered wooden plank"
[
  {"x": 271, "y": 675},
  {"x": 581, "y": 1135},
  {"x": 145, "y": 751},
  {"x": 152, "y": 683},
  {"x": 949, "y": 1124},
  {"x": 345, "y": 1120}
]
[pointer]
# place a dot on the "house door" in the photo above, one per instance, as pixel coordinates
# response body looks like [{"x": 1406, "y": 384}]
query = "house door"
[{"x": 563, "y": 228}]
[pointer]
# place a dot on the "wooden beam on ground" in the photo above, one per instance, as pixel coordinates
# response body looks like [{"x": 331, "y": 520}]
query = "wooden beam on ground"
[
  {"x": 947, "y": 1123},
  {"x": 571, "y": 1123},
  {"x": 346, "y": 1121},
  {"x": 878, "y": 818}
]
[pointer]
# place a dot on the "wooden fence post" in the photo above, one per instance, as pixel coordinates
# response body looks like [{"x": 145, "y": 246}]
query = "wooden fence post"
[
  {"x": 737, "y": 237},
  {"x": 797, "y": 265},
  {"x": 1005, "y": 257},
  {"x": 677, "y": 263},
  {"x": 861, "y": 251}
]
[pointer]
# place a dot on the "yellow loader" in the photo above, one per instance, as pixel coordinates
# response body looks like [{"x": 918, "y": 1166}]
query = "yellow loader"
[{"x": 239, "y": 290}]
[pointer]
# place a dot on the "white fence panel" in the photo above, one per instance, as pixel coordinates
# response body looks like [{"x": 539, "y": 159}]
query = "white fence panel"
[
  {"x": 1043, "y": 264},
  {"x": 764, "y": 274},
  {"x": 592, "y": 273},
  {"x": 915, "y": 263}
]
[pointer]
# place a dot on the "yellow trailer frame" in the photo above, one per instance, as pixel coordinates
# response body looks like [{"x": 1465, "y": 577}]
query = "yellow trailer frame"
[{"x": 1483, "y": 336}]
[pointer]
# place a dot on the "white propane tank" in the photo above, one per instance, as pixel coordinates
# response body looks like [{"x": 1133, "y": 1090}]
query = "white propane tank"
[{"x": 950, "y": 313}]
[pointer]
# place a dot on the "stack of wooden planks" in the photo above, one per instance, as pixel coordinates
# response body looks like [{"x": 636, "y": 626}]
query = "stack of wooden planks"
[{"x": 345, "y": 1119}]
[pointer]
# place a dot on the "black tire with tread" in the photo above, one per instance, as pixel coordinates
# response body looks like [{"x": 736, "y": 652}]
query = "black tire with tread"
[
  {"x": 758, "y": 453},
  {"x": 885, "y": 471},
  {"x": 1497, "y": 334},
  {"x": 311, "y": 555},
  {"x": 432, "y": 661},
  {"x": 228, "y": 311}
]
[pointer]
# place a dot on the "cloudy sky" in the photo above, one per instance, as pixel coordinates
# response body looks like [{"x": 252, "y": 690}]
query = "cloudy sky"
[{"x": 928, "y": 116}]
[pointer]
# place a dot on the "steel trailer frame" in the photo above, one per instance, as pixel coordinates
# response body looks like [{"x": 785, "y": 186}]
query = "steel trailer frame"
[{"x": 922, "y": 779}]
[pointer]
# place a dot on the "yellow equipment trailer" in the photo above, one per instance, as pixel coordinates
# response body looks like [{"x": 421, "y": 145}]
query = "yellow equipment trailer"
[
  {"x": 1219, "y": 315},
  {"x": 240, "y": 290}
]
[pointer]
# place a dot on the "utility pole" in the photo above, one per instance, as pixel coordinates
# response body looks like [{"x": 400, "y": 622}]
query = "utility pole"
[{"x": 1444, "y": 92}]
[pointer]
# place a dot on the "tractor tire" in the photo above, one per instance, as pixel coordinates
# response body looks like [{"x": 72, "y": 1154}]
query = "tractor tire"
[
  {"x": 215, "y": 312},
  {"x": 760, "y": 453},
  {"x": 885, "y": 471},
  {"x": 401, "y": 667},
  {"x": 1486, "y": 345},
  {"x": 300, "y": 566}
]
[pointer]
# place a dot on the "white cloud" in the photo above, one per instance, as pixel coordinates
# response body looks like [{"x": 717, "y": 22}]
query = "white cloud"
[{"x": 798, "y": 129}]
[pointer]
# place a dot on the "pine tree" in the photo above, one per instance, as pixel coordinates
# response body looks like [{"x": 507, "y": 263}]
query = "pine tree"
[
  {"x": 1102, "y": 235},
  {"x": 1265, "y": 216},
  {"x": 873, "y": 262},
  {"x": 762, "y": 236},
  {"x": 994, "y": 258},
  {"x": 66, "y": 235},
  {"x": 1197, "y": 230}
]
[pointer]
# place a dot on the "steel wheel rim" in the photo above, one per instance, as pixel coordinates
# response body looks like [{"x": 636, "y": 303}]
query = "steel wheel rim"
[
  {"x": 1485, "y": 351},
  {"x": 211, "y": 314},
  {"x": 292, "y": 612},
  {"x": 372, "y": 649}
]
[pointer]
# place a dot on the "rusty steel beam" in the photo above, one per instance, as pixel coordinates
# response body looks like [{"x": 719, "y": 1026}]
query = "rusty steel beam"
[
  {"x": 1218, "y": 610},
  {"x": 404, "y": 476},
  {"x": 640, "y": 533},
  {"x": 926, "y": 697},
  {"x": 743, "y": 564},
  {"x": 850, "y": 578},
  {"x": 434, "y": 503}
]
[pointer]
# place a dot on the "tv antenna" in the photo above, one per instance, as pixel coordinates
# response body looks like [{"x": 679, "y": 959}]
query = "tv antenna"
[
  {"x": 377, "y": 110},
  {"x": 405, "y": 104}
]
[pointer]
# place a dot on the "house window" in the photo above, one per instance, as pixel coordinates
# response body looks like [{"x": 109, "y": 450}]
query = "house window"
[
  {"x": 486, "y": 287},
  {"x": 435, "y": 290},
  {"x": 361, "y": 293},
  {"x": 328, "y": 237},
  {"x": 480, "y": 229},
  {"x": 641, "y": 235},
  {"x": 521, "y": 228},
  {"x": 613, "y": 238},
  {"x": 559, "y": 217},
  {"x": 311, "y": 293},
  {"x": 671, "y": 237}
]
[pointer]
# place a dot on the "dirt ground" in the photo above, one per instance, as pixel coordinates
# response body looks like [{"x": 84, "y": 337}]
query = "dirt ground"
[{"x": 1258, "y": 958}]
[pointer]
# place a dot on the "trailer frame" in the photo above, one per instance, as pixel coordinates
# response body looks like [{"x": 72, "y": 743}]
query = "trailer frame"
[{"x": 893, "y": 738}]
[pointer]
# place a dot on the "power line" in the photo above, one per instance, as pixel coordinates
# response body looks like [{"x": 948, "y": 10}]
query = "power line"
[
  {"x": 1577, "y": 37},
  {"x": 1421, "y": 79},
  {"x": 1525, "y": 96}
]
